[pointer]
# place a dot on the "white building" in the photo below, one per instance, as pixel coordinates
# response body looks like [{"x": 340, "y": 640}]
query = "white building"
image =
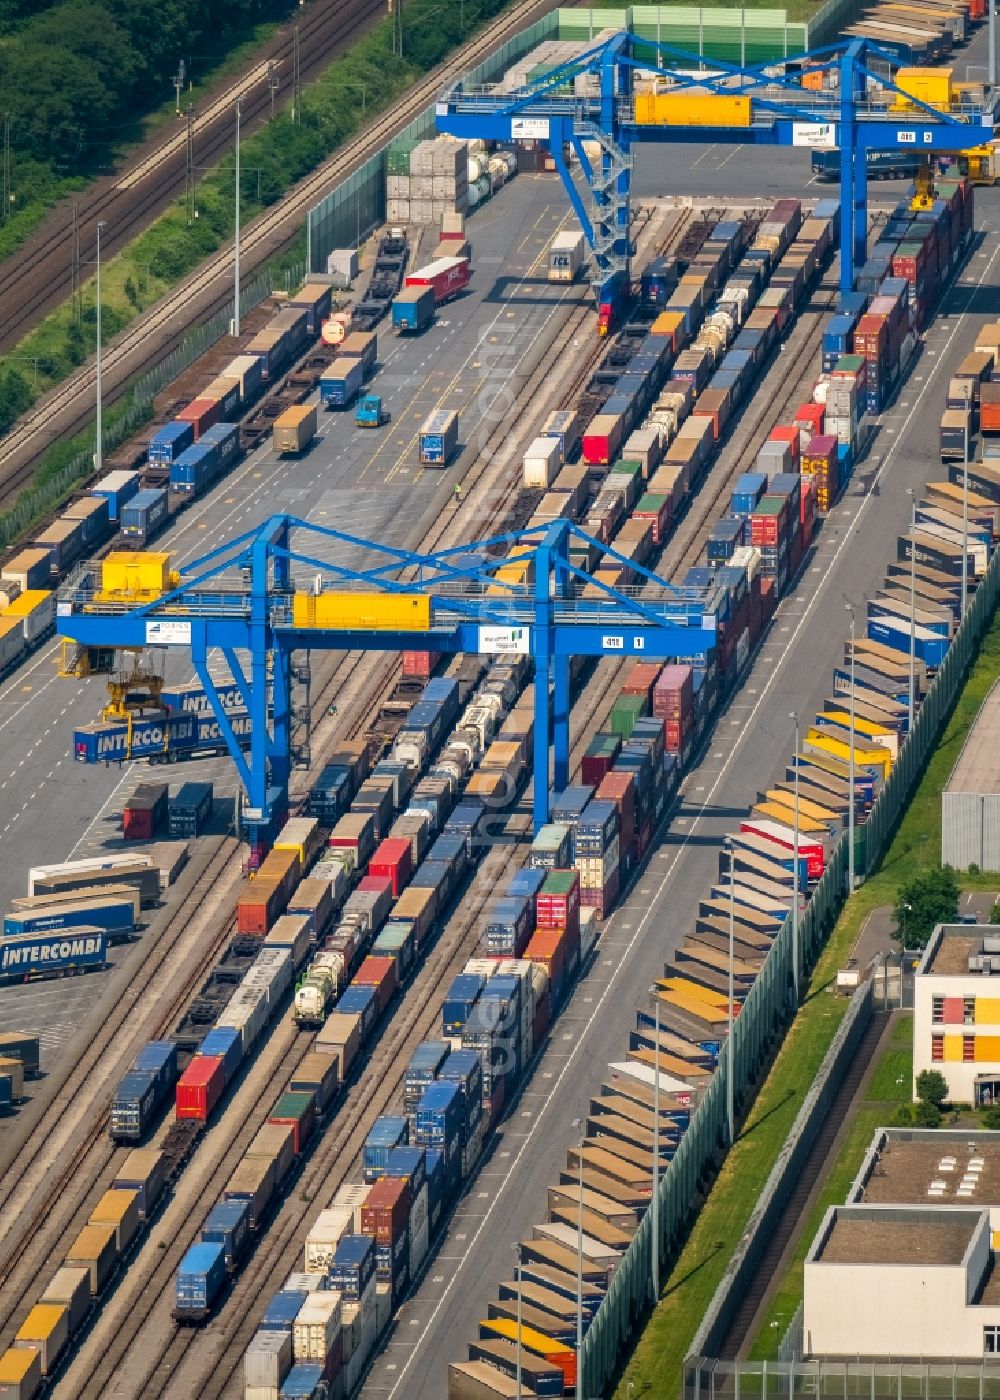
[
  {"x": 907, "y": 1269},
  {"x": 956, "y": 1012}
]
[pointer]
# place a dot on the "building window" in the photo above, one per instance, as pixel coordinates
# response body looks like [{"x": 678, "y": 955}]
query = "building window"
[
  {"x": 968, "y": 1048},
  {"x": 969, "y": 1011},
  {"x": 991, "y": 1341},
  {"x": 937, "y": 1010},
  {"x": 937, "y": 1047}
]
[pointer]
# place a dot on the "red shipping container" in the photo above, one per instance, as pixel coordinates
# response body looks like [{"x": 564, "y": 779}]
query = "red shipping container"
[
  {"x": 660, "y": 519},
  {"x": 200, "y": 1087},
  {"x": 547, "y": 947},
  {"x": 619, "y": 788},
  {"x": 594, "y": 767},
  {"x": 420, "y": 663},
  {"x": 810, "y": 417},
  {"x": 807, "y": 500},
  {"x": 259, "y": 906},
  {"x": 378, "y": 884},
  {"x": 558, "y": 909},
  {"x": 202, "y": 414},
  {"x": 673, "y": 693},
  {"x": 386, "y": 1211},
  {"x": 791, "y": 435},
  {"x": 379, "y": 973},
  {"x": 822, "y": 448},
  {"x": 301, "y": 1127},
  {"x": 640, "y": 679},
  {"x": 394, "y": 859}
]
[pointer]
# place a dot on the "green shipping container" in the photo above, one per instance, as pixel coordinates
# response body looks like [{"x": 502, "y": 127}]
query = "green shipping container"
[
  {"x": 629, "y": 468},
  {"x": 624, "y": 713},
  {"x": 771, "y": 505},
  {"x": 559, "y": 882},
  {"x": 651, "y": 503},
  {"x": 294, "y": 1104}
]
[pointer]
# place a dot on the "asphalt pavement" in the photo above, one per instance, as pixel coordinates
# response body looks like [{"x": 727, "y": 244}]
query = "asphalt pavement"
[
  {"x": 752, "y": 741},
  {"x": 366, "y": 484}
]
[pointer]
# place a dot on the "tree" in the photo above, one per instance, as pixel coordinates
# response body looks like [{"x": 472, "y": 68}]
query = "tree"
[
  {"x": 991, "y": 1117},
  {"x": 15, "y": 397},
  {"x": 932, "y": 1087},
  {"x": 995, "y": 914},
  {"x": 928, "y": 899}
]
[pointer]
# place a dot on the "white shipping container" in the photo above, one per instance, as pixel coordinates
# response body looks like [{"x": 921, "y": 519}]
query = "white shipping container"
[
  {"x": 565, "y": 256},
  {"x": 12, "y": 641},
  {"x": 324, "y": 1236},
  {"x": 267, "y": 1361},
  {"x": 569, "y": 1238},
  {"x": 350, "y": 1326},
  {"x": 542, "y": 462},
  {"x": 315, "y": 1329},
  {"x": 383, "y": 1307},
  {"x": 300, "y": 1282},
  {"x": 646, "y": 1074},
  {"x": 38, "y": 873},
  {"x": 352, "y": 1196}
]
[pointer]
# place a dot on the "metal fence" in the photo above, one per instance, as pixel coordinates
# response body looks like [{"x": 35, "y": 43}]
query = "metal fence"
[
  {"x": 710, "y": 1379},
  {"x": 758, "y": 1022},
  {"x": 37, "y": 501}
]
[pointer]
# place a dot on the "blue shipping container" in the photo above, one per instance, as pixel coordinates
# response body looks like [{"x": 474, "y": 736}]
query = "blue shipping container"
[
  {"x": 195, "y": 469},
  {"x": 227, "y": 1043},
  {"x": 228, "y": 1224},
  {"x": 282, "y": 1310},
  {"x": 145, "y": 513},
  {"x": 304, "y": 1382},
  {"x": 363, "y": 1002},
  {"x": 200, "y": 1277},
  {"x": 168, "y": 442}
]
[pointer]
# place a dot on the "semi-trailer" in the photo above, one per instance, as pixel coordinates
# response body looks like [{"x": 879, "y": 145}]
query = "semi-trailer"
[
  {"x": 566, "y": 254},
  {"x": 413, "y": 310},
  {"x": 445, "y": 276},
  {"x": 62, "y": 954},
  {"x": 294, "y": 429},
  {"x": 340, "y": 385},
  {"x": 438, "y": 438}
]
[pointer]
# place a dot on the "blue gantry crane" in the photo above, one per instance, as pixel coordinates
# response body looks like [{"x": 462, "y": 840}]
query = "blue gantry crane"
[
  {"x": 591, "y": 99},
  {"x": 243, "y": 600}
]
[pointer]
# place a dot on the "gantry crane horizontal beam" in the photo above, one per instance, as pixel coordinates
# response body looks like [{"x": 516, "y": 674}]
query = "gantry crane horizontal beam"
[{"x": 242, "y": 600}]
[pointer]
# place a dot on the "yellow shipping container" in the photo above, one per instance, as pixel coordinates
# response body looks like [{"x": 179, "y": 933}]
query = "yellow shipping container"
[
  {"x": 667, "y": 323},
  {"x": 932, "y": 86},
  {"x": 138, "y": 575},
  {"x": 119, "y": 1207},
  {"x": 699, "y": 109},
  {"x": 686, "y": 987},
  {"x": 806, "y": 808},
  {"x": 25, "y": 603},
  {"x": 21, "y": 1366},
  {"x": 407, "y": 612}
]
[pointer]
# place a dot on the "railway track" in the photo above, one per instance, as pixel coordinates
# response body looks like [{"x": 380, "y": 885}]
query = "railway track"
[
  {"x": 39, "y": 276},
  {"x": 754, "y": 1293},
  {"x": 68, "y": 407},
  {"x": 147, "y": 1338}
]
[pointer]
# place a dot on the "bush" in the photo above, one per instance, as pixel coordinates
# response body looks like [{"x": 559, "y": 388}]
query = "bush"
[
  {"x": 932, "y": 1087},
  {"x": 926, "y": 1115},
  {"x": 991, "y": 1117}
]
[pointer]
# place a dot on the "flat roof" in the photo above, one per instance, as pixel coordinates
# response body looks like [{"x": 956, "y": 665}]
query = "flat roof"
[
  {"x": 950, "y": 948},
  {"x": 932, "y": 1170},
  {"x": 977, "y": 768},
  {"x": 856, "y": 1238}
]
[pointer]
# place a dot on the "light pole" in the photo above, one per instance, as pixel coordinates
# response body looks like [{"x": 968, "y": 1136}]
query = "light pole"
[
  {"x": 850, "y": 777},
  {"x": 655, "y": 1204},
  {"x": 99, "y": 453},
  {"x": 913, "y": 591},
  {"x": 796, "y": 960},
  {"x": 730, "y": 1084},
  {"x": 518, "y": 1283},
  {"x": 236, "y": 298},
  {"x": 993, "y": 45},
  {"x": 965, "y": 504}
]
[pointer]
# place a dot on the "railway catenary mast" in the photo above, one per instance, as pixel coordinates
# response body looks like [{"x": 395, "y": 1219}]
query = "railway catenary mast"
[
  {"x": 757, "y": 105},
  {"x": 241, "y": 597}
]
